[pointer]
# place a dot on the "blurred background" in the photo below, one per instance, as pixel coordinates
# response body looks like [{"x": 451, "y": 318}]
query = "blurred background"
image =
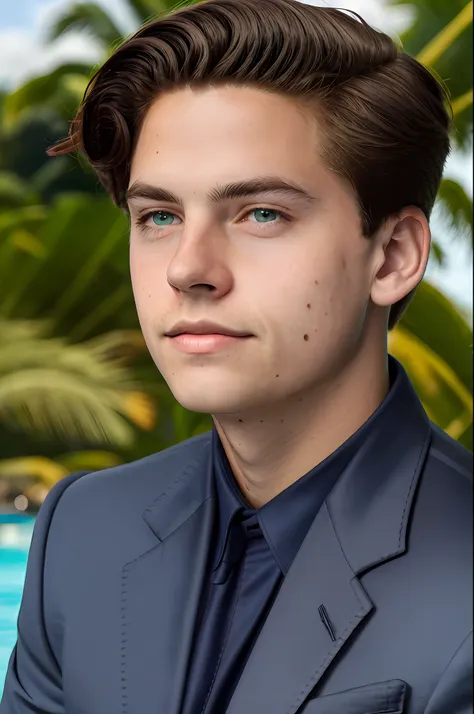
[{"x": 78, "y": 390}]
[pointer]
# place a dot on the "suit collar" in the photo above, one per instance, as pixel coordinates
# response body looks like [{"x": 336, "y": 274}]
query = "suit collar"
[
  {"x": 187, "y": 489},
  {"x": 362, "y": 523},
  {"x": 369, "y": 505}
]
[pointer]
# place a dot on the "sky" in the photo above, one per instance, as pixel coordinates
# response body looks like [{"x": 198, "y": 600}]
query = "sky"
[{"x": 24, "y": 53}]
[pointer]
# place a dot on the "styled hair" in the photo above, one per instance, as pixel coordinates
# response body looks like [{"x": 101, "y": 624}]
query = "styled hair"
[{"x": 382, "y": 116}]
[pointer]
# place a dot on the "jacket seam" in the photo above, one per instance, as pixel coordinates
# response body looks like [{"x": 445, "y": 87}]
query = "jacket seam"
[{"x": 449, "y": 462}]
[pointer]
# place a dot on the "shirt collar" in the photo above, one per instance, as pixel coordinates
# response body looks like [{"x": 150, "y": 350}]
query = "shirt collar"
[{"x": 285, "y": 520}]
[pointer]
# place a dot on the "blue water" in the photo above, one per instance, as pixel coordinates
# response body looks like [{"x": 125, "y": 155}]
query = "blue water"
[{"x": 15, "y": 538}]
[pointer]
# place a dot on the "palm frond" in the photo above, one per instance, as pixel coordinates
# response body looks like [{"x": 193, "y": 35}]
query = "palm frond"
[
  {"x": 462, "y": 103},
  {"x": 14, "y": 191},
  {"x": 88, "y": 17},
  {"x": 436, "y": 48},
  {"x": 47, "y": 471},
  {"x": 437, "y": 253},
  {"x": 57, "y": 89},
  {"x": 76, "y": 391},
  {"x": 457, "y": 207}
]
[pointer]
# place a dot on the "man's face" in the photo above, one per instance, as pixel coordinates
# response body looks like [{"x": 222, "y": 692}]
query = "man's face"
[{"x": 292, "y": 272}]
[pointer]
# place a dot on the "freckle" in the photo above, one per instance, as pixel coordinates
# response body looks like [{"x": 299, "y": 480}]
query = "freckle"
[
  {"x": 308, "y": 306},
  {"x": 326, "y": 314},
  {"x": 241, "y": 420},
  {"x": 261, "y": 421},
  {"x": 277, "y": 375},
  {"x": 300, "y": 399},
  {"x": 306, "y": 338},
  {"x": 316, "y": 282},
  {"x": 282, "y": 420}
]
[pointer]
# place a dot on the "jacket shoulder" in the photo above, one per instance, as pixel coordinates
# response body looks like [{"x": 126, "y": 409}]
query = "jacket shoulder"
[
  {"x": 443, "y": 511},
  {"x": 136, "y": 482},
  {"x": 448, "y": 456}
]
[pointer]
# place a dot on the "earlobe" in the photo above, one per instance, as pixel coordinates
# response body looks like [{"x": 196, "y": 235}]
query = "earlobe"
[{"x": 405, "y": 256}]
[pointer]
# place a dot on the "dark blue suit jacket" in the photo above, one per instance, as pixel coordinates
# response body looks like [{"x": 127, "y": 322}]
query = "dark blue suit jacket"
[{"x": 117, "y": 562}]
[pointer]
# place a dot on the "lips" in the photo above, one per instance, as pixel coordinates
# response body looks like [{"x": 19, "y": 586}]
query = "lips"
[{"x": 204, "y": 327}]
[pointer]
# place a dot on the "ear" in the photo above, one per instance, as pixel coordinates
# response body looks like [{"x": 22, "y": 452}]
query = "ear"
[{"x": 401, "y": 255}]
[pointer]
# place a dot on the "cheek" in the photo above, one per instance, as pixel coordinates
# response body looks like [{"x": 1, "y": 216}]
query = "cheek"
[
  {"x": 145, "y": 273},
  {"x": 316, "y": 305}
]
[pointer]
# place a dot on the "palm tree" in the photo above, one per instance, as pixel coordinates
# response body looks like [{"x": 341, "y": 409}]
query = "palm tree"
[
  {"x": 81, "y": 240},
  {"x": 82, "y": 393},
  {"x": 440, "y": 37},
  {"x": 439, "y": 360},
  {"x": 63, "y": 88},
  {"x": 38, "y": 113}
]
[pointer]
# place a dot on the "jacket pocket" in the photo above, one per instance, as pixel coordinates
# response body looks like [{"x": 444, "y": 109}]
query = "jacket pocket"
[{"x": 379, "y": 698}]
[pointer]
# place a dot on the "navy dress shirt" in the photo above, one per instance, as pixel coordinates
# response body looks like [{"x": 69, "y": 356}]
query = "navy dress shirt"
[{"x": 252, "y": 552}]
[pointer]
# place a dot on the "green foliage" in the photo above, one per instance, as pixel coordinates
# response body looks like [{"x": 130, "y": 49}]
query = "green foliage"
[
  {"x": 457, "y": 208},
  {"x": 434, "y": 343},
  {"x": 78, "y": 389},
  {"x": 454, "y": 64},
  {"x": 89, "y": 17},
  {"x": 60, "y": 91}
]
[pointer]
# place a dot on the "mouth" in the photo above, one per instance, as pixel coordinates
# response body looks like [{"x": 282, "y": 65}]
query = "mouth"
[
  {"x": 204, "y": 328},
  {"x": 206, "y": 343}
]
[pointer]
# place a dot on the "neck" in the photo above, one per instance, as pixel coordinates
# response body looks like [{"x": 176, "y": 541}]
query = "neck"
[{"x": 270, "y": 450}]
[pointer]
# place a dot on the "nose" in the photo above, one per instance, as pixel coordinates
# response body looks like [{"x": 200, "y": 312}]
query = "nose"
[{"x": 199, "y": 266}]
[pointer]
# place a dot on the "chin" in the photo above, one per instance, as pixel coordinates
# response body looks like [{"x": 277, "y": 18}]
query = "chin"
[
  {"x": 202, "y": 398},
  {"x": 201, "y": 403}
]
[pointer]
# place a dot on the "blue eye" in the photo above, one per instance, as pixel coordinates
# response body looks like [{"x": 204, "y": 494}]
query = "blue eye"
[
  {"x": 267, "y": 215},
  {"x": 160, "y": 218}
]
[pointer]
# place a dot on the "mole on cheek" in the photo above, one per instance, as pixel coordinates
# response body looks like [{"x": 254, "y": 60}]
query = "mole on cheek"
[
  {"x": 308, "y": 306},
  {"x": 306, "y": 338},
  {"x": 316, "y": 282}
]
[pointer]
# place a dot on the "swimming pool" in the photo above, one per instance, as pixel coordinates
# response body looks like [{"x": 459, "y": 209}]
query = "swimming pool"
[{"x": 15, "y": 537}]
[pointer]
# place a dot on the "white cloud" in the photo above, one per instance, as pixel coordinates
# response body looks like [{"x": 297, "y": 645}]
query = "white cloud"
[
  {"x": 23, "y": 56},
  {"x": 24, "y": 53}
]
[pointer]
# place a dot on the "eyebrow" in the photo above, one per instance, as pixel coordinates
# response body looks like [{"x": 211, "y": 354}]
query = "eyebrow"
[{"x": 239, "y": 189}]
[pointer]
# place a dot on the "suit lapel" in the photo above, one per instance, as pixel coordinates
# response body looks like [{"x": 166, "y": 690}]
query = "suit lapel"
[
  {"x": 362, "y": 525},
  {"x": 161, "y": 591},
  {"x": 295, "y": 648}
]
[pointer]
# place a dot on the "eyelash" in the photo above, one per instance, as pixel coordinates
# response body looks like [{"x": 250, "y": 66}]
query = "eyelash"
[{"x": 142, "y": 220}]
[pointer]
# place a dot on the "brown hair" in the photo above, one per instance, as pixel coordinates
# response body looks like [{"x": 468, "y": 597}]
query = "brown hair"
[{"x": 382, "y": 116}]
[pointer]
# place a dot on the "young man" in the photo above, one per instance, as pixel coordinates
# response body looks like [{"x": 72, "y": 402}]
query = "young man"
[{"x": 312, "y": 554}]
